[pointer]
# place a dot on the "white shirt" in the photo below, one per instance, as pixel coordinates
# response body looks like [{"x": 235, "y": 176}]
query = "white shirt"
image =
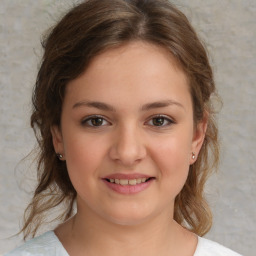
[{"x": 49, "y": 245}]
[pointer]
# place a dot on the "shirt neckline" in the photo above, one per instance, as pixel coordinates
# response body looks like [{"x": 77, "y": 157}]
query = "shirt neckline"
[{"x": 196, "y": 253}]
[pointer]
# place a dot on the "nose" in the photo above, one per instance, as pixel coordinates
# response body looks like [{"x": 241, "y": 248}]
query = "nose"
[{"x": 127, "y": 146}]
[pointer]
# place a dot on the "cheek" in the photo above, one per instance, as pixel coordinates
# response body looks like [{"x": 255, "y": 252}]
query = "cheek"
[
  {"x": 83, "y": 155},
  {"x": 172, "y": 159}
]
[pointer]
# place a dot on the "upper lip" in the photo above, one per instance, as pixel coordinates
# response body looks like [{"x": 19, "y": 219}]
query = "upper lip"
[{"x": 122, "y": 176}]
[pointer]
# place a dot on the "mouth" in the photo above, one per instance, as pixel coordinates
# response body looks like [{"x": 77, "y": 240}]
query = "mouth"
[{"x": 129, "y": 182}]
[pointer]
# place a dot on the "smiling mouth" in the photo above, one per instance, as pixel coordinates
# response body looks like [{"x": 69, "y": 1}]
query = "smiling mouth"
[{"x": 131, "y": 182}]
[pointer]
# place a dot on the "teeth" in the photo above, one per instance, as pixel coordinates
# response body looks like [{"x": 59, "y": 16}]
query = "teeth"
[
  {"x": 132, "y": 182},
  {"x": 123, "y": 182},
  {"x": 128, "y": 182},
  {"x": 138, "y": 181}
]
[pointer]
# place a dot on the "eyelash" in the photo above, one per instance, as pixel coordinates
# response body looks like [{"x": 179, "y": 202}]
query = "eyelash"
[
  {"x": 86, "y": 121},
  {"x": 167, "y": 119}
]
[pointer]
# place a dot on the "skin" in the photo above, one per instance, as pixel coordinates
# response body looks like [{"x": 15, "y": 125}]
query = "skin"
[{"x": 128, "y": 139}]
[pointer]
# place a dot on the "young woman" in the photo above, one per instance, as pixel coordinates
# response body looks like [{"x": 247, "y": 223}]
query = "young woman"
[{"x": 125, "y": 126}]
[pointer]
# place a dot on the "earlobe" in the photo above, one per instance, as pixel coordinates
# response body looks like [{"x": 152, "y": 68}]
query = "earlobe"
[
  {"x": 57, "y": 140},
  {"x": 199, "y": 136}
]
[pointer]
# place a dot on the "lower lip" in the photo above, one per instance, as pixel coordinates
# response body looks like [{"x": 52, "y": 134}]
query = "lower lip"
[{"x": 128, "y": 189}]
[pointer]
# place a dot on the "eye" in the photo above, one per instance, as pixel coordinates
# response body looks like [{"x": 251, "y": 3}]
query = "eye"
[
  {"x": 95, "y": 121},
  {"x": 160, "y": 121}
]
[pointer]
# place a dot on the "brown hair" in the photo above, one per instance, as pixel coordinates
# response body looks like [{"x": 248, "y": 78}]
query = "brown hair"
[{"x": 84, "y": 32}]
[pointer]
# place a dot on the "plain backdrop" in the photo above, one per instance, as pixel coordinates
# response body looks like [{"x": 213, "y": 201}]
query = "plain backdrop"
[{"x": 228, "y": 28}]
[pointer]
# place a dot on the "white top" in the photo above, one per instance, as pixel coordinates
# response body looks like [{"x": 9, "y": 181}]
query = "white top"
[{"x": 48, "y": 244}]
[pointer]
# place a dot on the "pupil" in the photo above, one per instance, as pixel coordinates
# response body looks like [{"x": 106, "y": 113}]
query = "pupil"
[
  {"x": 97, "y": 121},
  {"x": 158, "y": 121}
]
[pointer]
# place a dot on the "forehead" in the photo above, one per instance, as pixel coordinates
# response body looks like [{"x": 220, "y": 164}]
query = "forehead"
[
  {"x": 136, "y": 70},
  {"x": 136, "y": 51}
]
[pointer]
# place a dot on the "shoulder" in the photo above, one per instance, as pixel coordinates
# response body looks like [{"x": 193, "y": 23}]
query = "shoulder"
[
  {"x": 46, "y": 244},
  {"x": 207, "y": 247}
]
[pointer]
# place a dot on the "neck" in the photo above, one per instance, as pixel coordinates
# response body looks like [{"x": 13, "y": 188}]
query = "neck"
[{"x": 87, "y": 232}]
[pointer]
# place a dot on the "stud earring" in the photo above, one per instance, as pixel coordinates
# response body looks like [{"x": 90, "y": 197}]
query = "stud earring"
[
  {"x": 193, "y": 156},
  {"x": 60, "y": 156}
]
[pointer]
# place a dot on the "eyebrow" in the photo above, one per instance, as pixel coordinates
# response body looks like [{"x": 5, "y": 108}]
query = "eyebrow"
[
  {"x": 160, "y": 104},
  {"x": 107, "y": 107},
  {"x": 94, "y": 104}
]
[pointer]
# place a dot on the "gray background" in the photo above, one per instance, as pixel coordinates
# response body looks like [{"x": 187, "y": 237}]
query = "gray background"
[{"x": 229, "y": 29}]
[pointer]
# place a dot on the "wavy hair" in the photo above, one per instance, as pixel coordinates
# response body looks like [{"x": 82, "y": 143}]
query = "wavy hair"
[{"x": 84, "y": 32}]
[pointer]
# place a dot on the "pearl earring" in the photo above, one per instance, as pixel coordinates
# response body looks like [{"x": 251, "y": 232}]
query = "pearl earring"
[
  {"x": 193, "y": 156},
  {"x": 60, "y": 156}
]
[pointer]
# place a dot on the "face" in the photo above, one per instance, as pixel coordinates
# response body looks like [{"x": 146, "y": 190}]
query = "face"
[{"x": 127, "y": 134}]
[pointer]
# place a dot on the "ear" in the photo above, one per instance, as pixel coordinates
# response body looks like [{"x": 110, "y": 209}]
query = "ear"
[
  {"x": 57, "y": 140},
  {"x": 198, "y": 137}
]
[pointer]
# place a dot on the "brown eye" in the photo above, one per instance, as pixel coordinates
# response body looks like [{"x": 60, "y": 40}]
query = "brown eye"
[
  {"x": 158, "y": 121},
  {"x": 95, "y": 121}
]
